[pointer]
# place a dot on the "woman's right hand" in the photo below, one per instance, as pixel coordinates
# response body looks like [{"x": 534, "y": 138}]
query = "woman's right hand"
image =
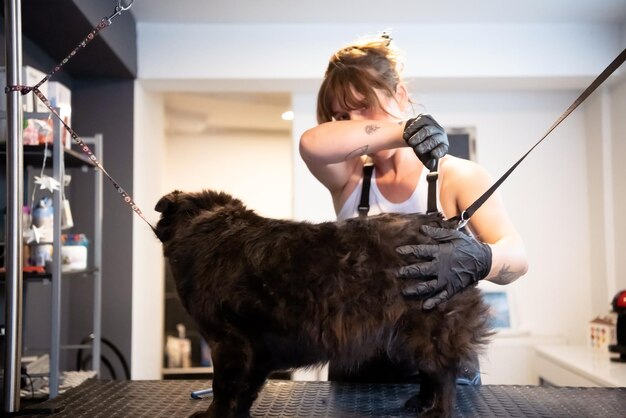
[{"x": 427, "y": 138}]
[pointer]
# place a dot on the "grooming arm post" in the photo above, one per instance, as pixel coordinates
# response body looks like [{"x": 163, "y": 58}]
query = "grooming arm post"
[{"x": 15, "y": 187}]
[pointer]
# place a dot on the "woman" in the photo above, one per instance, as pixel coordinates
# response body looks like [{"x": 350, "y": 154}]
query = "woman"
[{"x": 361, "y": 110}]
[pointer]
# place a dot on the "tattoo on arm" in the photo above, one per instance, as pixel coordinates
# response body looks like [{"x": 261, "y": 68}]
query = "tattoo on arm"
[
  {"x": 357, "y": 152},
  {"x": 505, "y": 276},
  {"x": 370, "y": 129}
]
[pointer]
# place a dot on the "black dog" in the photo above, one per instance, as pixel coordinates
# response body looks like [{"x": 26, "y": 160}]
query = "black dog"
[{"x": 272, "y": 294}]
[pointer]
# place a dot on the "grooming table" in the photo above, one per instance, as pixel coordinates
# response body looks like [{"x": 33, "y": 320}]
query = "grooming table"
[{"x": 171, "y": 398}]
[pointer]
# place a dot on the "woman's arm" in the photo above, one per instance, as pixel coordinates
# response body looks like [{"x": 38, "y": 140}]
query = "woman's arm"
[
  {"x": 332, "y": 150},
  {"x": 457, "y": 260},
  {"x": 464, "y": 182}
]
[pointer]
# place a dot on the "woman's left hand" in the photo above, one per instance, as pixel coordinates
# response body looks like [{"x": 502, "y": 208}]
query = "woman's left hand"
[{"x": 454, "y": 262}]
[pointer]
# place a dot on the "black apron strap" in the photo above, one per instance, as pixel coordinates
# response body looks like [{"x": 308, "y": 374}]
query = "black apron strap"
[
  {"x": 432, "y": 188},
  {"x": 364, "y": 204}
]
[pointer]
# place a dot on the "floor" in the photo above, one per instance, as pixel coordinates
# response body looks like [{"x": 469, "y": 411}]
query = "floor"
[{"x": 287, "y": 399}]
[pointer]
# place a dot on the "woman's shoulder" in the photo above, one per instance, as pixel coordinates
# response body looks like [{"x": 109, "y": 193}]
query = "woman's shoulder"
[
  {"x": 454, "y": 170},
  {"x": 459, "y": 166}
]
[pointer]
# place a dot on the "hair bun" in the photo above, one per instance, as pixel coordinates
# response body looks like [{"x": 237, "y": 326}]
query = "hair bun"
[{"x": 385, "y": 35}]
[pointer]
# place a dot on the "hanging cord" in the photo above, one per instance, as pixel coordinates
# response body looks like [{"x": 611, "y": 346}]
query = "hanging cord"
[
  {"x": 104, "y": 23},
  {"x": 41, "y": 175},
  {"x": 464, "y": 217}
]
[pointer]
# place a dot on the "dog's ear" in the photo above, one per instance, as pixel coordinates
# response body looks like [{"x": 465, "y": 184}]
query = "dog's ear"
[{"x": 164, "y": 203}]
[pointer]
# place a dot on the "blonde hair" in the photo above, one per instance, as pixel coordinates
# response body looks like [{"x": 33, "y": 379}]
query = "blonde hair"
[{"x": 355, "y": 72}]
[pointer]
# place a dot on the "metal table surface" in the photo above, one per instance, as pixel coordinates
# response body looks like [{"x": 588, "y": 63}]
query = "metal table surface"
[{"x": 171, "y": 398}]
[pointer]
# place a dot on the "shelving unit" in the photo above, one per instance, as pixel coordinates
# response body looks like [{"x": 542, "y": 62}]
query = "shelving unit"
[
  {"x": 101, "y": 78},
  {"x": 63, "y": 158}
]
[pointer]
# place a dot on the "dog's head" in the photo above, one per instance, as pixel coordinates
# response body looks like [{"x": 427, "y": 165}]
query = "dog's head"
[{"x": 178, "y": 208}]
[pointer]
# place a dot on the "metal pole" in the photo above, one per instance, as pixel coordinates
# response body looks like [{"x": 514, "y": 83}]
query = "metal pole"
[
  {"x": 97, "y": 248},
  {"x": 58, "y": 171},
  {"x": 15, "y": 191}
]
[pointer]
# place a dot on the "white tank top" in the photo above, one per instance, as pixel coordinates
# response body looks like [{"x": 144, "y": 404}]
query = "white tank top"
[{"x": 416, "y": 203}]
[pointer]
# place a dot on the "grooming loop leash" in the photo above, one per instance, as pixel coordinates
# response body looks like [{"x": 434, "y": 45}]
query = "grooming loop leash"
[
  {"x": 464, "y": 217},
  {"x": 121, "y": 7}
]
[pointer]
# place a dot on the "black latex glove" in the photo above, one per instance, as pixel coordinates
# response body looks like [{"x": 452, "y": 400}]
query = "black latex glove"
[
  {"x": 427, "y": 138},
  {"x": 454, "y": 263}
]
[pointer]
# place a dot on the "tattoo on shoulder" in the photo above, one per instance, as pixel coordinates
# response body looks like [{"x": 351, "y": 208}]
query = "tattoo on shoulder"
[
  {"x": 370, "y": 129},
  {"x": 357, "y": 152},
  {"x": 505, "y": 275}
]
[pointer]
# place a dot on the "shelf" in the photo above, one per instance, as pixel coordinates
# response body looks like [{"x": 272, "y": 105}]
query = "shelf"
[
  {"x": 33, "y": 156},
  {"x": 187, "y": 370},
  {"x": 48, "y": 276},
  {"x": 188, "y": 373}
]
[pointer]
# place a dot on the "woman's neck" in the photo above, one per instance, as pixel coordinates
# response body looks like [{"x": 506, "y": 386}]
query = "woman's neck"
[
  {"x": 397, "y": 175},
  {"x": 401, "y": 163}
]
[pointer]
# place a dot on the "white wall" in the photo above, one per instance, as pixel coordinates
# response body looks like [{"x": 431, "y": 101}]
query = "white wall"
[
  {"x": 223, "y": 56},
  {"x": 253, "y": 167},
  {"x": 148, "y": 275},
  {"x": 312, "y": 201},
  {"x": 600, "y": 199},
  {"x": 617, "y": 122}
]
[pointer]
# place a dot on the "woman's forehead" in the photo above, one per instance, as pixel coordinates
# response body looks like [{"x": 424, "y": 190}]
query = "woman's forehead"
[{"x": 342, "y": 100}]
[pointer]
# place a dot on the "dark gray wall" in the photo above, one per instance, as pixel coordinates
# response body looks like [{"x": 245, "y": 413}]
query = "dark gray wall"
[
  {"x": 106, "y": 107},
  {"x": 101, "y": 77}
]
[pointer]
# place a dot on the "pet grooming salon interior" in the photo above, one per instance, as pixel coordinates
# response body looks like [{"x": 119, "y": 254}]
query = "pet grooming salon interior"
[{"x": 189, "y": 95}]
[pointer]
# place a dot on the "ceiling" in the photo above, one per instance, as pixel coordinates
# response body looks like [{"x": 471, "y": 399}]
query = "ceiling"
[
  {"x": 196, "y": 113},
  {"x": 366, "y": 11},
  {"x": 219, "y": 113}
]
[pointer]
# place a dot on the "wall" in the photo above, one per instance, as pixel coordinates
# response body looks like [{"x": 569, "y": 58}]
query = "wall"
[
  {"x": 148, "y": 274},
  {"x": 617, "y": 104},
  {"x": 600, "y": 199},
  {"x": 253, "y": 167},
  {"x": 112, "y": 117},
  {"x": 311, "y": 200},
  {"x": 458, "y": 56}
]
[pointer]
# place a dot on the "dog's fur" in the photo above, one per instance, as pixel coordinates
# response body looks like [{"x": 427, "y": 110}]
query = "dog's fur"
[{"x": 272, "y": 294}]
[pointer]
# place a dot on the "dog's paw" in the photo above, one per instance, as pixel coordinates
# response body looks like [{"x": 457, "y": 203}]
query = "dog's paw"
[
  {"x": 434, "y": 413},
  {"x": 414, "y": 404},
  {"x": 209, "y": 414},
  {"x": 200, "y": 414},
  {"x": 419, "y": 405}
]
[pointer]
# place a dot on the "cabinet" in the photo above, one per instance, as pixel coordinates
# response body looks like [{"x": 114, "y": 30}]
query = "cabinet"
[
  {"x": 58, "y": 159},
  {"x": 578, "y": 365}
]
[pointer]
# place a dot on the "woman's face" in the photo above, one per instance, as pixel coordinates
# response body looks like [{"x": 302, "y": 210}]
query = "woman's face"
[
  {"x": 394, "y": 106},
  {"x": 390, "y": 109}
]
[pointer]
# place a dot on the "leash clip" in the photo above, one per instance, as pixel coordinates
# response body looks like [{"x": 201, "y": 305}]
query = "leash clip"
[
  {"x": 122, "y": 6},
  {"x": 463, "y": 220}
]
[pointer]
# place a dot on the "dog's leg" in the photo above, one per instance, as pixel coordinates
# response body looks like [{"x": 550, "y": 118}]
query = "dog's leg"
[
  {"x": 255, "y": 382},
  {"x": 439, "y": 395},
  {"x": 231, "y": 361},
  {"x": 425, "y": 398}
]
